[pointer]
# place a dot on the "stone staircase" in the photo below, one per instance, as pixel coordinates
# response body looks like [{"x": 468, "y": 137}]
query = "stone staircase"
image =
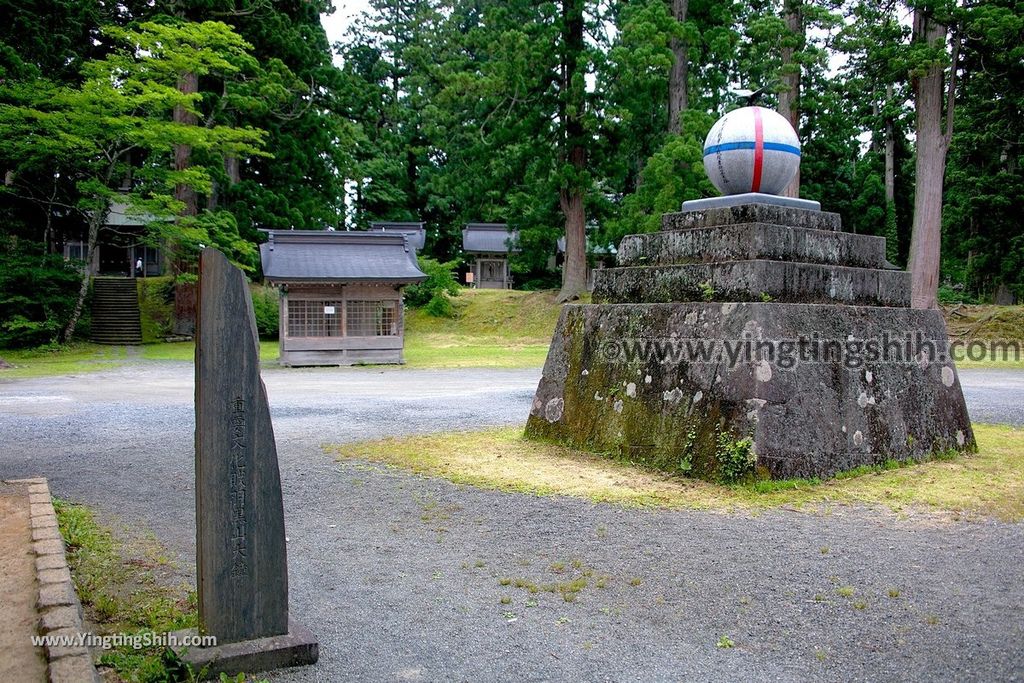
[{"x": 115, "y": 311}]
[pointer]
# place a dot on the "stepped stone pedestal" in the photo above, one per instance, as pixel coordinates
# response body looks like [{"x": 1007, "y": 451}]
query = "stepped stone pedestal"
[{"x": 752, "y": 339}]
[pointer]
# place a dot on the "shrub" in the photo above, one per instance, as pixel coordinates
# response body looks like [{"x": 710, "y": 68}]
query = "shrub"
[
  {"x": 736, "y": 459},
  {"x": 950, "y": 293},
  {"x": 265, "y": 304},
  {"x": 433, "y": 292},
  {"x": 156, "y": 307},
  {"x": 440, "y": 306},
  {"x": 37, "y": 294}
]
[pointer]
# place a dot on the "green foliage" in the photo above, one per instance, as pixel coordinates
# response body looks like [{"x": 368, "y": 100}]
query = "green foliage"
[
  {"x": 124, "y": 596},
  {"x": 434, "y": 293},
  {"x": 450, "y": 111},
  {"x": 216, "y": 228},
  {"x": 440, "y": 306},
  {"x": 983, "y": 236},
  {"x": 736, "y": 459},
  {"x": 156, "y": 298},
  {"x": 266, "y": 305},
  {"x": 674, "y": 174},
  {"x": 37, "y": 294},
  {"x": 955, "y": 294},
  {"x": 892, "y": 239}
]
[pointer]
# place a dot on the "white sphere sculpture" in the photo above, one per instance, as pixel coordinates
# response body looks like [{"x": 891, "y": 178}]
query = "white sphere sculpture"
[{"x": 752, "y": 149}]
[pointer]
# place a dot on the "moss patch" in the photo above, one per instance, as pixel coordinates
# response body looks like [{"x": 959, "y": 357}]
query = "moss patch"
[
  {"x": 986, "y": 324},
  {"x": 156, "y": 307},
  {"x": 990, "y": 483}
]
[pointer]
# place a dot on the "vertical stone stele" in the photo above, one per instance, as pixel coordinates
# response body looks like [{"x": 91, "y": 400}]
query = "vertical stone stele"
[{"x": 241, "y": 559}]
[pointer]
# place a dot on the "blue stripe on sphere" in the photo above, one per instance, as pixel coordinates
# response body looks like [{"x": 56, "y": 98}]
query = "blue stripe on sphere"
[{"x": 749, "y": 144}]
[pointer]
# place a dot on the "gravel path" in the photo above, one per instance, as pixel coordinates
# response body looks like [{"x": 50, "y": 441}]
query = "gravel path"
[{"x": 399, "y": 576}]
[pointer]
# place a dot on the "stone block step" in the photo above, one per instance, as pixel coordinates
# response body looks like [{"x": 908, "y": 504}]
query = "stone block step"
[
  {"x": 752, "y": 213},
  {"x": 755, "y": 280},
  {"x": 752, "y": 241}
]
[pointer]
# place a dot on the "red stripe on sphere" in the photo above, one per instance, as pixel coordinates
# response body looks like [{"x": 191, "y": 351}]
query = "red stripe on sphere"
[{"x": 755, "y": 186}]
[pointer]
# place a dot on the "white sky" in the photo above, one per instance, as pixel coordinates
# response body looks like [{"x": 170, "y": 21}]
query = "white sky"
[{"x": 344, "y": 12}]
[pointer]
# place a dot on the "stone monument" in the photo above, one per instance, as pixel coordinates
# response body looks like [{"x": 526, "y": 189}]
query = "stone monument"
[
  {"x": 241, "y": 559},
  {"x": 752, "y": 337}
]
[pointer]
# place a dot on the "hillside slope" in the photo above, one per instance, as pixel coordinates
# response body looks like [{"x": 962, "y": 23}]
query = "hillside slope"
[{"x": 492, "y": 328}]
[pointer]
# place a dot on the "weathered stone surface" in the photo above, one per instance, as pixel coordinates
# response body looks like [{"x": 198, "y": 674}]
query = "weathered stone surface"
[
  {"x": 779, "y": 281},
  {"x": 67, "y": 616},
  {"x": 752, "y": 241},
  {"x": 71, "y": 649},
  {"x": 241, "y": 563},
  {"x": 297, "y": 647},
  {"x": 51, "y": 562},
  {"x": 56, "y": 595},
  {"x": 808, "y": 419},
  {"x": 49, "y": 547},
  {"x": 32, "y": 481},
  {"x": 752, "y": 213},
  {"x": 73, "y": 669},
  {"x": 730, "y": 200},
  {"x": 44, "y": 521},
  {"x": 54, "y": 575},
  {"x": 44, "y": 533}
]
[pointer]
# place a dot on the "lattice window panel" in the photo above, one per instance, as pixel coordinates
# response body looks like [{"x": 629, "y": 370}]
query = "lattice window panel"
[
  {"x": 371, "y": 318},
  {"x": 307, "y": 318}
]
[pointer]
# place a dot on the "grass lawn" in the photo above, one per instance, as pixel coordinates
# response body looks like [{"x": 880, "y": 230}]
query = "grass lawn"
[
  {"x": 187, "y": 351},
  {"x": 68, "y": 360},
  {"x": 494, "y": 328},
  {"x": 491, "y": 329},
  {"x": 126, "y": 588},
  {"x": 990, "y": 483}
]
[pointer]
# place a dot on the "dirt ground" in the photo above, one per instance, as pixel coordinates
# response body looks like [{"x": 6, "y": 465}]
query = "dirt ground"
[{"x": 20, "y": 660}]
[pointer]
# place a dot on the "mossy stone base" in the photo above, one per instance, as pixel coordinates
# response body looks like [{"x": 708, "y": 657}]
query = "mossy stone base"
[{"x": 810, "y": 419}]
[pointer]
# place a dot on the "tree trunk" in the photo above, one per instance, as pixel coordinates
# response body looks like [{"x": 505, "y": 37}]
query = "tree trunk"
[
  {"x": 188, "y": 84},
  {"x": 789, "y": 98},
  {"x": 232, "y": 172},
  {"x": 678, "y": 81},
  {"x": 574, "y": 269},
  {"x": 572, "y": 106},
  {"x": 890, "y": 153},
  {"x": 96, "y": 221},
  {"x": 932, "y": 143},
  {"x": 231, "y": 168},
  {"x": 184, "y": 315}
]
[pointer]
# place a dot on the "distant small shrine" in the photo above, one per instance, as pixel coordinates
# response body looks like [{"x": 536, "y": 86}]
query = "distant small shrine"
[
  {"x": 415, "y": 230},
  {"x": 121, "y": 248},
  {"x": 341, "y": 294},
  {"x": 488, "y": 245}
]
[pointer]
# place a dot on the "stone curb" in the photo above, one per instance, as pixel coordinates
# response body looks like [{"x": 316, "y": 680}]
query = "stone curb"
[{"x": 60, "y": 612}]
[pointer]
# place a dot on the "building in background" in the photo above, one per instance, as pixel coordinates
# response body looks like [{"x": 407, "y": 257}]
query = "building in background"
[
  {"x": 341, "y": 294},
  {"x": 416, "y": 231},
  {"x": 487, "y": 246},
  {"x": 120, "y": 246}
]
